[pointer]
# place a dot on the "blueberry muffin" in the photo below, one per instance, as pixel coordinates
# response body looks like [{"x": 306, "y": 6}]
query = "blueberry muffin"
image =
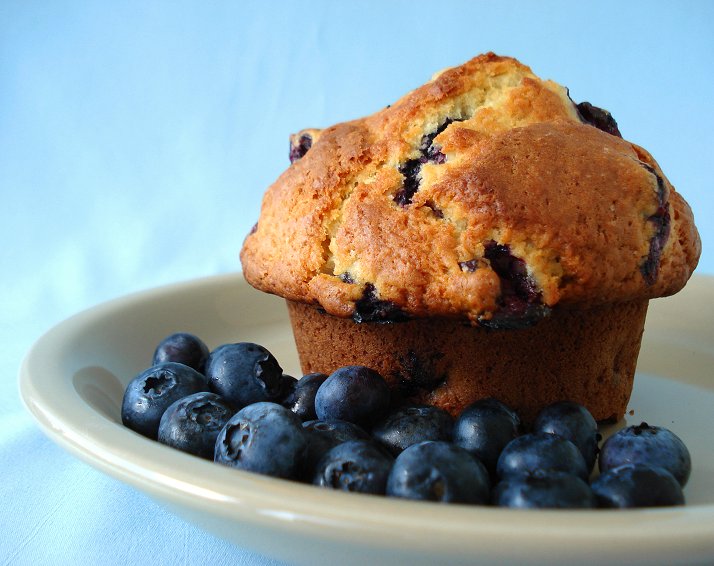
[{"x": 484, "y": 236}]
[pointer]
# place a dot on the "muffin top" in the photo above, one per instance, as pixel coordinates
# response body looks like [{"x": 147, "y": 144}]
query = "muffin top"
[{"x": 486, "y": 194}]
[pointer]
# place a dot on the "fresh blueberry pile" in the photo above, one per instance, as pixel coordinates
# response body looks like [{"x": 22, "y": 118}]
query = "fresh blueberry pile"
[{"x": 234, "y": 405}]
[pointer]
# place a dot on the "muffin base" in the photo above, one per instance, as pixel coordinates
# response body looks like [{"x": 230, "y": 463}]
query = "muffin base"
[{"x": 586, "y": 356}]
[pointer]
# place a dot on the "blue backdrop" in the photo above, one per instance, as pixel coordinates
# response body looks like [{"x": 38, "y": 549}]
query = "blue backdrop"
[{"x": 137, "y": 138}]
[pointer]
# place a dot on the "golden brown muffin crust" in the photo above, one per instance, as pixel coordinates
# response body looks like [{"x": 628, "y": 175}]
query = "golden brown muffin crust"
[{"x": 482, "y": 181}]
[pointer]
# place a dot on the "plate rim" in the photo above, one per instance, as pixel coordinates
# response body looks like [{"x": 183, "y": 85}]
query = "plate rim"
[{"x": 334, "y": 514}]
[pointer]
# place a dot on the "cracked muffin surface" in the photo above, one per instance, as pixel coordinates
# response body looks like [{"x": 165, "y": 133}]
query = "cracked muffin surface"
[{"x": 486, "y": 194}]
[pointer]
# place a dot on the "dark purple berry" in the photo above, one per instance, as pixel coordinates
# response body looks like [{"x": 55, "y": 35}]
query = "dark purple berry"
[
  {"x": 637, "y": 485},
  {"x": 541, "y": 451},
  {"x": 192, "y": 423},
  {"x": 183, "y": 348},
  {"x": 244, "y": 373},
  {"x": 661, "y": 221},
  {"x": 286, "y": 390},
  {"x": 301, "y": 401},
  {"x": 544, "y": 490},
  {"x": 151, "y": 392},
  {"x": 340, "y": 431},
  {"x": 300, "y": 147},
  {"x": 484, "y": 428},
  {"x": 264, "y": 438},
  {"x": 356, "y": 394},
  {"x": 647, "y": 445},
  {"x": 411, "y": 425},
  {"x": 573, "y": 422},
  {"x": 356, "y": 466},
  {"x": 346, "y": 277},
  {"x": 512, "y": 271},
  {"x": 439, "y": 471},
  {"x": 411, "y": 169},
  {"x": 371, "y": 309},
  {"x": 519, "y": 305},
  {"x": 419, "y": 373},
  {"x": 430, "y": 152},
  {"x": 469, "y": 266},
  {"x": 599, "y": 118},
  {"x": 322, "y": 436},
  {"x": 650, "y": 267}
]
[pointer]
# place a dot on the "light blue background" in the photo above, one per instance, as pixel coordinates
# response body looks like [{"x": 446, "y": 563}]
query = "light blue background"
[{"x": 137, "y": 138}]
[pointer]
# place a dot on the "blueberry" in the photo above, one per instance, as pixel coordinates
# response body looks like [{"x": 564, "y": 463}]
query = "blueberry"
[
  {"x": 151, "y": 392},
  {"x": 411, "y": 425},
  {"x": 419, "y": 373},
  {"x": 543, "y": 490},
  {"x": 244, "y": 373},
  {"x": 637, "y": 485},
  {"x": 346, "y": 277},
  {"x": 469, "y": 266},
  {"x": 599, "y": 118},
  {"x": 661, "y": 222},
  {"x": 322, "y": 436},
  {"x": 300, "y": 147},
  {"x": 541, "y": 451},
  {"x": 353, "y": 393},
  {"x": 520, "y": 304},
  {"x": 484, "y": 428},
  {"x": 512, "y": 271},
  {"x": 358, "y": 466},
  {"x": 183, "y": 348},
  {"x": 370, "y": 308},
  {"x": 411, "y": 169},
  {"x": 339, "y": 431},
  {"x": 192, "y": 423},
  {"x": 285, "y": 390},
  {"x": 302, "y": 399},
  {"x": 573, "y": 422},
  {"x": 649, "y": 445},
  {"x": 439, "y": 471},
  {"x": 264, "y": 438}
]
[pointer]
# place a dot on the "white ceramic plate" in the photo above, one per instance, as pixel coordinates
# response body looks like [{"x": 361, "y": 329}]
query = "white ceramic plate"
[{"x": 73, "y": 378}]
